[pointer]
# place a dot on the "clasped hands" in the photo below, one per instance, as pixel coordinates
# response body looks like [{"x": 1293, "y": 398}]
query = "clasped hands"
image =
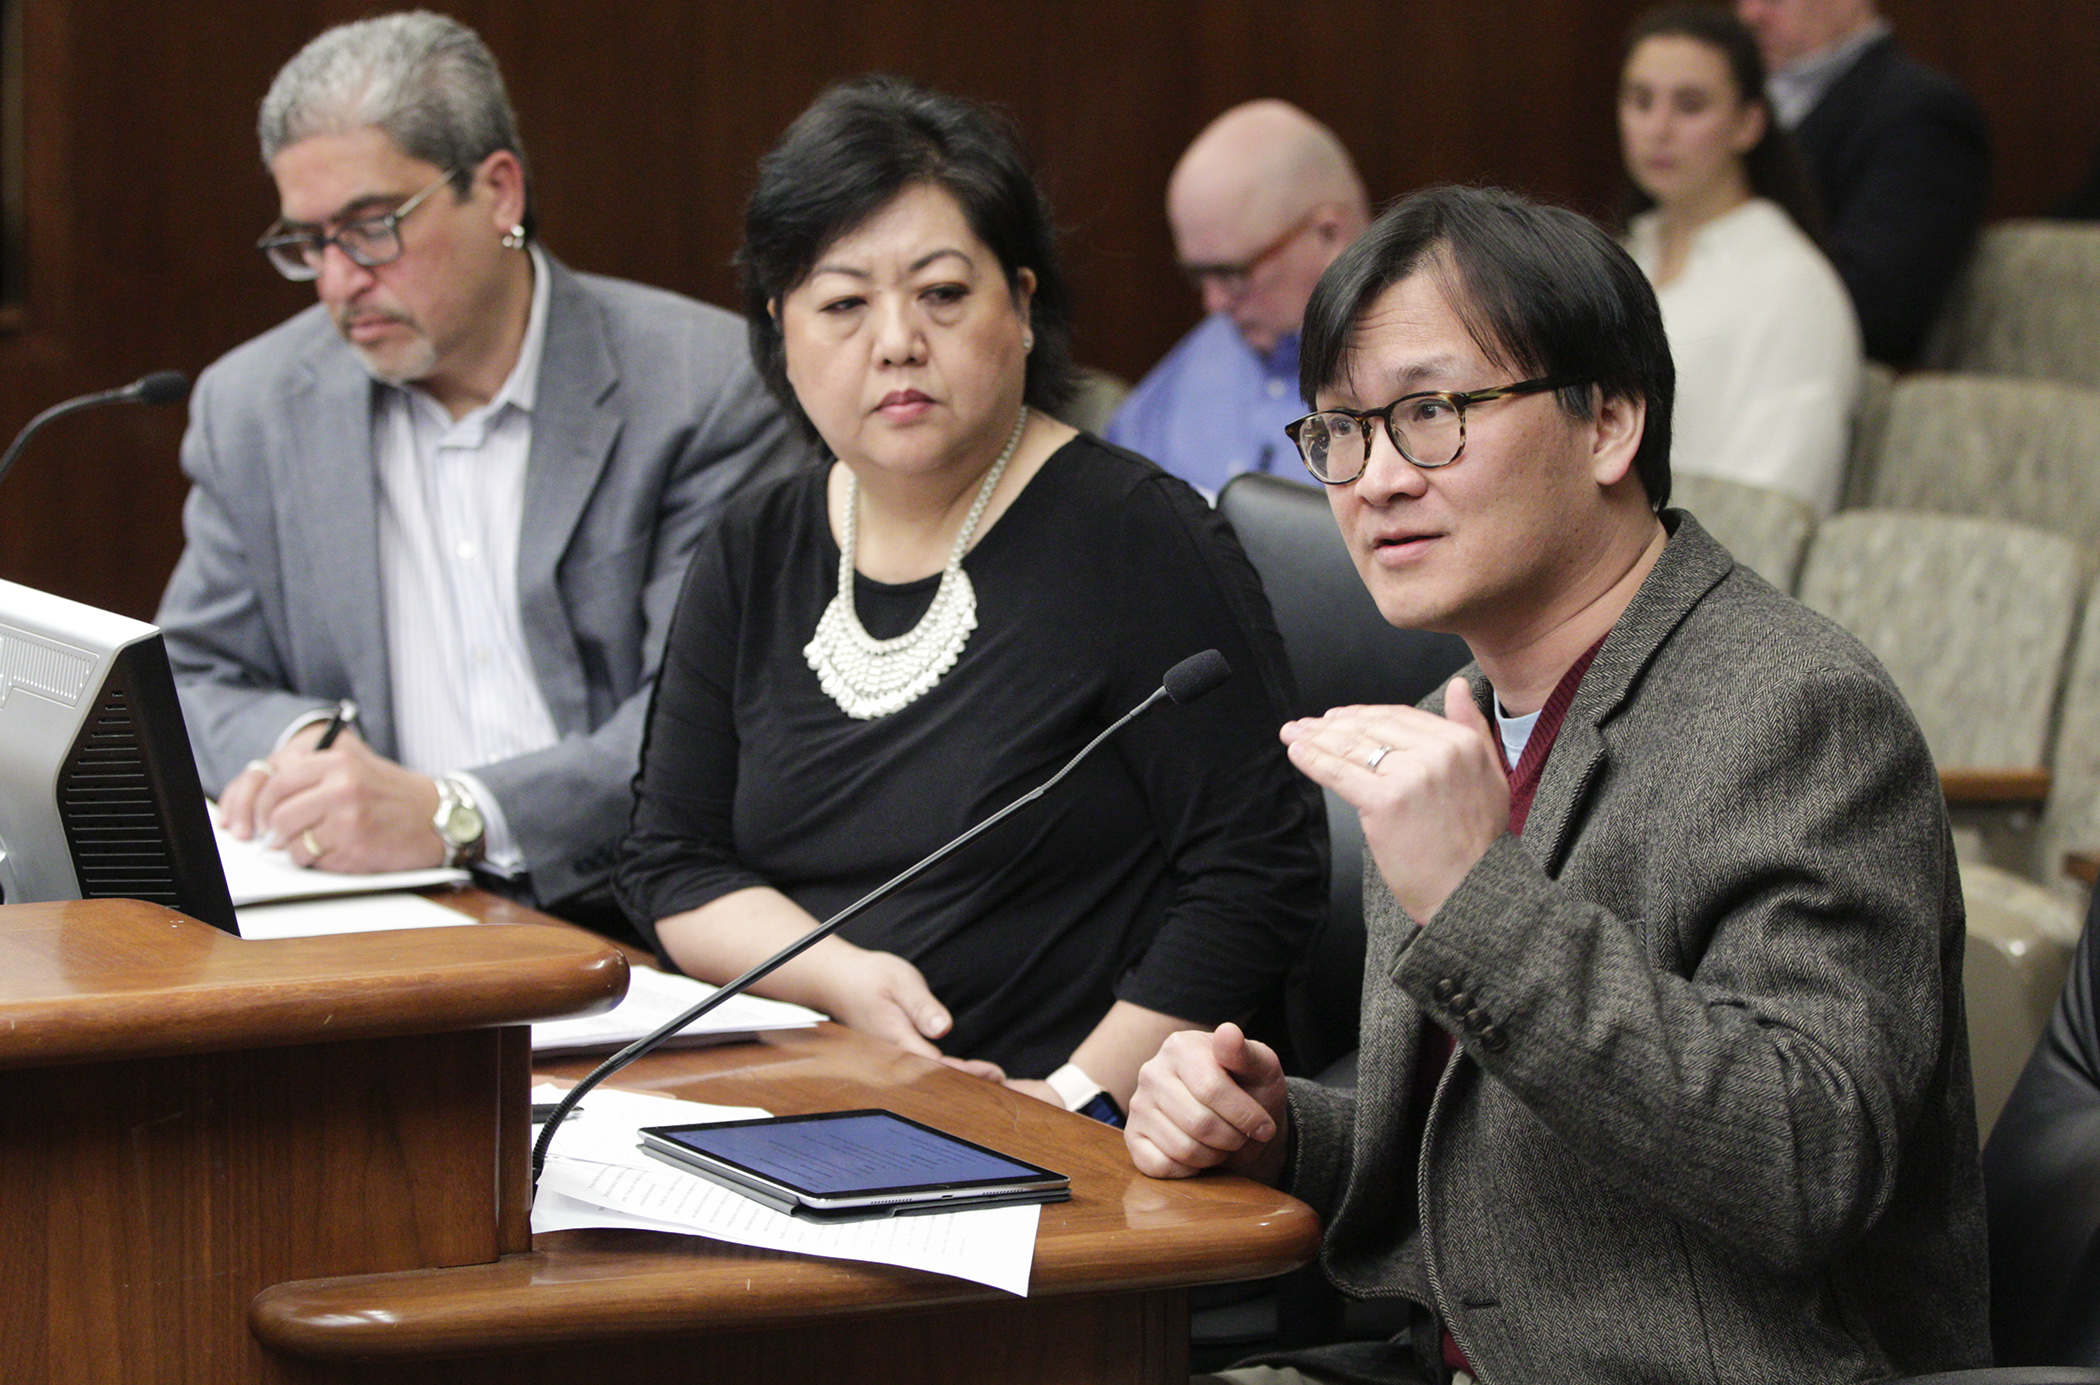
[
  {"x": 1432, "y": 796},
  {"x": 346, "y": 808}
]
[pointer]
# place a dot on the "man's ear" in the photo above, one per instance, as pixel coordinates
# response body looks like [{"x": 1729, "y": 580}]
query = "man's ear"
[
  {"x": 1617, "y": 425},
  {"x": 504, "y": 176}
]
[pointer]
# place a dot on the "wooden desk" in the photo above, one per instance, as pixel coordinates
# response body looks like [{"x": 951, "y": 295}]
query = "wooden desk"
[
  {"x": 1107, "y": 1300},
  {"x": 191, "y": 1118}
]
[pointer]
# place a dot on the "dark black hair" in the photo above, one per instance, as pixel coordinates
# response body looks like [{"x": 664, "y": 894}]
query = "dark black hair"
[
  {"x": 1773, "y": 165},
  {"x": 1542, "y": 291},
  {"x": 845, "y": 158}
]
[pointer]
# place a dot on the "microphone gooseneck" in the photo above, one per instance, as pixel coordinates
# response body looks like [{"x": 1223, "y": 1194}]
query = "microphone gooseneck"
[
  {"x": 161, "y": 387},
  {"x": 1183, "y": 684}
]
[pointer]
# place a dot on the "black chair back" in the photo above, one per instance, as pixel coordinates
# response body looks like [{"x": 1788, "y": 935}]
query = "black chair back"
[
  {"x": 2041, "y": 1174},
  {"x": 1340, "y": 647},
  {"x": 1341, "y": 652}
]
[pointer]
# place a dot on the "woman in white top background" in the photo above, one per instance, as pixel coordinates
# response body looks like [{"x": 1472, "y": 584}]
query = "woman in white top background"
[{"x": 1765, "y": 340}]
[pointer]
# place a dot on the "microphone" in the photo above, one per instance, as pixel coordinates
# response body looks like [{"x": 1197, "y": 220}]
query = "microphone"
[
  {"x": 161, "y": 387},
  {"x": 1185, "y": 682}
]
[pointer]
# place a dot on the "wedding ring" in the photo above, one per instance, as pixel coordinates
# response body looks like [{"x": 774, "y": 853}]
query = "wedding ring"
[
  {"x": 313, "y": 848},
  {"x": 267, "y": 769},
  {"x": 1378, "y": 753}
]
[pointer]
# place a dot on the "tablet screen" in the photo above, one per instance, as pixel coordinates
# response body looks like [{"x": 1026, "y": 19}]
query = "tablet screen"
[{"x": 847, "y": 1152}]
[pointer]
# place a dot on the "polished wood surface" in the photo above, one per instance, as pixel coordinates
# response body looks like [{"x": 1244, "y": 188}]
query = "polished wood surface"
[
  {"x": 1121, "y": 1231},
  {"x": 108, "y": 979},
  {"x": 1966, "y": 786},
  {"x": 194, "y": 1117}
]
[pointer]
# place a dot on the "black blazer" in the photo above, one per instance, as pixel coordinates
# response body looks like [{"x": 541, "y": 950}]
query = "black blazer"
[{"x": 1901, "y": 160}]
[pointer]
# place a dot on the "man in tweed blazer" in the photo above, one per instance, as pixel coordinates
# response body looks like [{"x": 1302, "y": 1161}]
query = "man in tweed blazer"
[{"x": 1669, "y": 879}]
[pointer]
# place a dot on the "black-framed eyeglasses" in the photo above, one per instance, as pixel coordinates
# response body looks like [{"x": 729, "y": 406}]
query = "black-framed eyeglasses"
[
  {"x": 1428, "y": 429},
  {"x": 370, "y": 241}
]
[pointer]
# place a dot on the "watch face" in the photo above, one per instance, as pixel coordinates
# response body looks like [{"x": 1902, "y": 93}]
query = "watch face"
[{"x": 462, "y": 825}]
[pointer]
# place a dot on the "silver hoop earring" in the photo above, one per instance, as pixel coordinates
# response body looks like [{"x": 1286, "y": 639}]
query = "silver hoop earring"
[{"x": 514, "y": 238}]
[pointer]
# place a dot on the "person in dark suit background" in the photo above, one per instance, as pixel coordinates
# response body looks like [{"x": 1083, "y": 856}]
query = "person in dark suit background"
[{"x": 1898, "y": 154}]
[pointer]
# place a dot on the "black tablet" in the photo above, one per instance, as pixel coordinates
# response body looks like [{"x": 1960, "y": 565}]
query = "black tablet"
[{"x": 852, "y": 1163}]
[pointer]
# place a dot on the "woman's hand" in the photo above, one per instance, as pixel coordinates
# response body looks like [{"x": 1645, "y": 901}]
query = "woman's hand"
[
  {"x": 876, "y": 993},
  {"x": 879, "y": 994}
]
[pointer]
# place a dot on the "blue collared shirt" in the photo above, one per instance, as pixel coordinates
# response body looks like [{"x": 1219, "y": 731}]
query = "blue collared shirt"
[{"x": 1214, "y": 407}]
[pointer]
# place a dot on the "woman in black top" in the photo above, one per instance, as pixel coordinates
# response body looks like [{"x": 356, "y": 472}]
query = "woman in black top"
[{"x": 1011, "y": 587}]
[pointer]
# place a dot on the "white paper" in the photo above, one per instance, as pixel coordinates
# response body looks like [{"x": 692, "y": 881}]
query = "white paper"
[
  {"x": 256, "y": 874},
  {"x": 595, "y": 1176},
  {"x": 363, "y": 913},
  {"x": 606, "y": 1125},
  {"x": 653, "y": 998},
  {"x": 992, "y": 1245}
]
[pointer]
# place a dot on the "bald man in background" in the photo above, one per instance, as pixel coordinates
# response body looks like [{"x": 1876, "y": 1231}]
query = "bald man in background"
[
  {"x": 1897, "y": 154},
  {"x": 1260, "y": 204}
]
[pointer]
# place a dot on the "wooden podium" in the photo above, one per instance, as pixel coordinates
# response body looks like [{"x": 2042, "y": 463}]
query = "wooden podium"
[
  {"x": 190, "y": 1118},
  {"x": 305, "y": 1161}
]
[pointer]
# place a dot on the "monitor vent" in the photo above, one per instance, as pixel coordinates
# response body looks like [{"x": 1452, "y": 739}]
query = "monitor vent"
[
  {"x": 58, "y": 672},
  {"x": 119, "y": 843}
]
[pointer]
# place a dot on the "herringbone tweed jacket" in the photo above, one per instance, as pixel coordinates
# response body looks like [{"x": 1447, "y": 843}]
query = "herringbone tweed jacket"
[{"x": 1712, "y": 1118}]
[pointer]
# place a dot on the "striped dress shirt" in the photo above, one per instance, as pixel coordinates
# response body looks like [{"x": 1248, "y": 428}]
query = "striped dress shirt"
[{"x": 451, "y": 505}]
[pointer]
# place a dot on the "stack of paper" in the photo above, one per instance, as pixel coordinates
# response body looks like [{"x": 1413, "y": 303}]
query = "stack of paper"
[
  {"x": 596, "y": 1176},
  {"x": 361, "y": 913},
  {"x": 259, "y": 874},
  {"x": 653, "y": 998}
]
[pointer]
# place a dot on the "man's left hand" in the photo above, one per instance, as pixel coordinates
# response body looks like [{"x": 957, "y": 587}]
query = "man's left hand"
[
  {"x": 1434, "y": 802},
  {"x": 348, "y": 808}
]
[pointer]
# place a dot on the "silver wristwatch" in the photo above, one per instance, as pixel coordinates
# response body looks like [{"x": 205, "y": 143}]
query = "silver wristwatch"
[{"x": 458, "y": 821}]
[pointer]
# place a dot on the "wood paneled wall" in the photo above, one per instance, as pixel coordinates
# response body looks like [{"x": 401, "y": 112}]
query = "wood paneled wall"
[{"x": 644, "y": 119}]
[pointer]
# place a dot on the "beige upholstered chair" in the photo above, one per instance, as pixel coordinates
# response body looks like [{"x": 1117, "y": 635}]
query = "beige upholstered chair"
[
  {"x": 2028, "y": 306},
  {"x": 1870, "y": 419},
  {"x": 2026, "y": 450},
  {"x": 2070, "y": 819},
  {"x": 1096, "y": 400},
  {"x": 1765, "y": 529},
  {"x": 1972, "y": 617},
  {"x": 2019, "y": 949}
]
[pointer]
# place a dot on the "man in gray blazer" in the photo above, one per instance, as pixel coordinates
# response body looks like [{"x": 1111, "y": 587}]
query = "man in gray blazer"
[
  {"x": 1663, "y": 1070},
  {"x": 460, "y": 491}
]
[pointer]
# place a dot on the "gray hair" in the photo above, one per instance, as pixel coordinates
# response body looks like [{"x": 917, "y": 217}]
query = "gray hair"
[{"x": 426, "y": 81}]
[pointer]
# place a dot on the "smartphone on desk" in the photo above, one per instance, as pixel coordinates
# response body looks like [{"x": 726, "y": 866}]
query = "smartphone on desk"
[{"x": 845, "y": 1164}]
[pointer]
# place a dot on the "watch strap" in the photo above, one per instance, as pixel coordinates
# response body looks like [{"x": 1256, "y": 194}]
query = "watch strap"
[{"x": 1082, "y": 1094}]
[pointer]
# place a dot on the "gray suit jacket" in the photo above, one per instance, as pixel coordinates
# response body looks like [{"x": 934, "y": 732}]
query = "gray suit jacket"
[
  {"x": 1713, "y": 1119},
  {"x": 647, "y": 415}
]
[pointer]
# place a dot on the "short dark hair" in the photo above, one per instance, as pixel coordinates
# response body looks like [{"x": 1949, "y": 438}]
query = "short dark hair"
[
  {"x": 1541, "y": 290},
  {"x": 847, "y": 157},
  {"x": 1773, "y": 166}
]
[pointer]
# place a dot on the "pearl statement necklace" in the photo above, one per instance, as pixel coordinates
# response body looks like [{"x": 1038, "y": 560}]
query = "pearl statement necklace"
[{"x": 871, "y": 678}]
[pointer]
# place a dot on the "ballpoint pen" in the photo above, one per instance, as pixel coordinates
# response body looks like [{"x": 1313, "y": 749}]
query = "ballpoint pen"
[{"x": 345, "y": 715}]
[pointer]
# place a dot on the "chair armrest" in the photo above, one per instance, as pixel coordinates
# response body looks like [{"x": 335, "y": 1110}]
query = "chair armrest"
[{"x": 1964, "y": 786}]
